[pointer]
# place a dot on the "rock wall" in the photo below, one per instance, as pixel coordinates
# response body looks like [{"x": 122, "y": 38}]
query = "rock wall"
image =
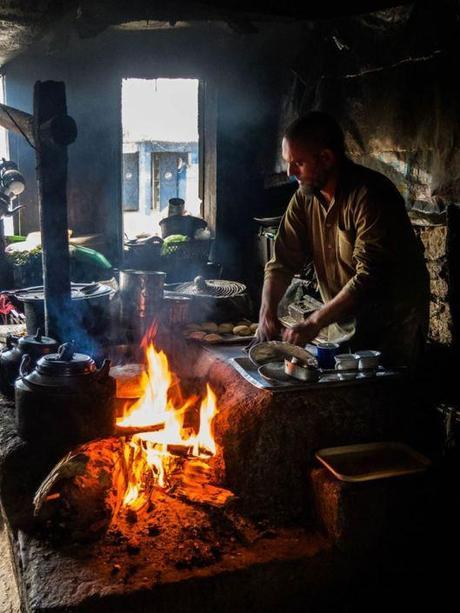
[{"x": 434, "y": 239}]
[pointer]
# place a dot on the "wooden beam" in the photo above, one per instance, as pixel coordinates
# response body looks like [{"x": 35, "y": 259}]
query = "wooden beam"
[
  {"x": 17, "y": 121},
  {"x": 49, "y": 103}
]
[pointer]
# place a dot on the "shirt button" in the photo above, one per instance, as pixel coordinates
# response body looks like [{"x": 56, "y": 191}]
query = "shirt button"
[
  {"x": 329, "y": 246},
  {"x": 328, "y": 225}
]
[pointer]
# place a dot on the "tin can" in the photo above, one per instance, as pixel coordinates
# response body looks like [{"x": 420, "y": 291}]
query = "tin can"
[
  {"x": 325, "y": 354},
  {"x": 176, "y": 206}
]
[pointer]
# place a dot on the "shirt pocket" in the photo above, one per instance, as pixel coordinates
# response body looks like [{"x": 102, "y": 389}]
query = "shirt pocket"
[{"x": 345, "y": 241}]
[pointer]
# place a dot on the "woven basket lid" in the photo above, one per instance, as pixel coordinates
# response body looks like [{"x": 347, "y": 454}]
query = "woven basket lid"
[{"x": 216, "y": 288}]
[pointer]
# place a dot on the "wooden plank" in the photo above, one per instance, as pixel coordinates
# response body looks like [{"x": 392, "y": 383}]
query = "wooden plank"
[
  {"x": 17, "y": 121},
  {"x": 207, "y": 129},
  {"x": 50, "y": 102}
]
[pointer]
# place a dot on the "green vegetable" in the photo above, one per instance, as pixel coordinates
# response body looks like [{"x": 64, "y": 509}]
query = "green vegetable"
[
  {"x": 167, "y": 248},
  {"x": 175, "y": 238}
]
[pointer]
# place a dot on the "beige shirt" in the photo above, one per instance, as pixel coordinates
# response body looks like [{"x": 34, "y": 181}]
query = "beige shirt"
[{"x": 363, "y": 241}]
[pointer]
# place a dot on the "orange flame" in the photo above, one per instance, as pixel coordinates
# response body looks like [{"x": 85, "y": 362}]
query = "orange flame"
[{"x": 146, "y": 454}]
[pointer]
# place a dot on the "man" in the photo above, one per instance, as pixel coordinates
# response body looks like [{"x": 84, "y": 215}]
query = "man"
[{"x": 351, "y": 222}]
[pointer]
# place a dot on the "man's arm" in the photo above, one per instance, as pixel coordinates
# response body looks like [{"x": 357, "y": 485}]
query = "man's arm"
[
  {"x": 343, "y": 306},
  {"x": 290, "y": 254}
]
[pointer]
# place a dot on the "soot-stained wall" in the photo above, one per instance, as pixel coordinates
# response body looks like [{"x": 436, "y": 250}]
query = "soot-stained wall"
[
  {"x": 247, "y": 71},
  {"x": 390, "y": 80}
]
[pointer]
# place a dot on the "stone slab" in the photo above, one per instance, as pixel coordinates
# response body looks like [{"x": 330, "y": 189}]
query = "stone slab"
[{"x": 287, "y": 571}]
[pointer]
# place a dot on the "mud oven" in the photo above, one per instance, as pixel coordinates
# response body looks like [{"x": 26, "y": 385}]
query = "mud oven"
[{"x": 205, "y": 495}]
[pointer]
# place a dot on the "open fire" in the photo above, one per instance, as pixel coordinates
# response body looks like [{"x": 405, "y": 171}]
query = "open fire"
[{"x": 151, "y": 454}]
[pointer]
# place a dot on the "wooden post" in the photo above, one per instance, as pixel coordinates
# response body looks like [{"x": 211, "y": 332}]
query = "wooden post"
[{"x": 49, "y": 104}]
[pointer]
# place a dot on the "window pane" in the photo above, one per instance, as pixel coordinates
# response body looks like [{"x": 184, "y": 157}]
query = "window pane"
[{"x": 160, "y": 150}]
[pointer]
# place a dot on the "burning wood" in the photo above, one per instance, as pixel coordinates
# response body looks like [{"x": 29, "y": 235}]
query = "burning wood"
[{"x": 153, "y": 451}]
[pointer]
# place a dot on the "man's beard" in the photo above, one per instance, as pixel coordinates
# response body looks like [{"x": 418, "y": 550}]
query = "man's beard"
[{"x": 315, "y": 185}]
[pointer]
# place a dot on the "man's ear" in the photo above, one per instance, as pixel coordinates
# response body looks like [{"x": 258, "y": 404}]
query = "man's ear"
[{"x": 328, "y": 157}]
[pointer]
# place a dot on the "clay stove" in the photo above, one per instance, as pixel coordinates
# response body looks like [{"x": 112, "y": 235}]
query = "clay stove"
[{"x": 204, "y": 502}]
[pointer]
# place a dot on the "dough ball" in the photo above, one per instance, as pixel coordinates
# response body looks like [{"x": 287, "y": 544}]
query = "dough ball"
[
  {"x": 197, "y": 335},
  {"x": 225, "y": 328},
  {"x": 253, "y": 328},
  {"x": 243, "y": 322},
  {"x": 209, "y": 326},
  {"x": 192, "y": 328},
  {"x": 212, "y": 338},
  {"x": 242, "y": 330}
]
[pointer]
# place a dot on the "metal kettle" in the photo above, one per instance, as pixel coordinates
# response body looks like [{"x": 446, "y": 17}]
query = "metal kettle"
[
  {"x": 65, "y": 400},
  {"x": 36, "y": 346}
]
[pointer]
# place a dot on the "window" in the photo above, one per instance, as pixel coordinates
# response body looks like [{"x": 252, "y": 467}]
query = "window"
[
  {"x": 161, "y": 157},
  {"x": 7, "y": 221}
]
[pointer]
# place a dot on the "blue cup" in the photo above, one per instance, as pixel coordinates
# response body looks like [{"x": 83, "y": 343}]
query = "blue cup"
[{"x": 325, "y": 354}]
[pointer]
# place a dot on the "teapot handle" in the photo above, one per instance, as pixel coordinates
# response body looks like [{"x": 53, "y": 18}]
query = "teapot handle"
[
  {"x": 103, "y": 370},
  {"x": 11, "y": 341},
  {"x": 24, "y": 368}
]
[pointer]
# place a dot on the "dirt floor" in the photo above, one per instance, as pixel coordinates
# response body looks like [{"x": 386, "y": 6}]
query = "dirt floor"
[{"x": 9, "y": 598}]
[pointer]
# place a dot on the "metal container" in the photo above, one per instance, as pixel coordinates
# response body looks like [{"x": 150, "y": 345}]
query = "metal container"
[
  {"x": 35, "y": 346},
  {"x": 176, "y": 206},
  {"x": 176, "y": 310},
  {"x": 90, "y": 303},
  {"x": 141, "y": 294},
  {"x": 325, "y": 354},
  {"x": 300, "y": 371},
  {"x": 64, "y": 400},
  {"x": 181, "y": 224}
]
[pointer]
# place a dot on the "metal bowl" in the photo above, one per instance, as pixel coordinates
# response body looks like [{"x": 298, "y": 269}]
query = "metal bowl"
[{"x": 300, "y": 371}]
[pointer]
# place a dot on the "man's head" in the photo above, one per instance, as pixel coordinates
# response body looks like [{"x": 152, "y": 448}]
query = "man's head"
[{"x": 313, "y": 147}]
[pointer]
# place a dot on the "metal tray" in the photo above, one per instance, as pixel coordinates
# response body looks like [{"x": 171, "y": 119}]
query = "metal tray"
[
  {"x": 249, "y": 371},
  {"x": 357, "y": 463}
]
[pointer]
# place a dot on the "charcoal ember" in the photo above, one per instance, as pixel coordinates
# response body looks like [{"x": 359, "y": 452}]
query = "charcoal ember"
[{"x": 78, "y": 496}]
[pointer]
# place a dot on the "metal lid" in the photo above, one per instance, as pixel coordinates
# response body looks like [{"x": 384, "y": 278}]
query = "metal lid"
[
  {"x": 36, "y": 342},
  {"x": 215, "y": 288},
  {"x": 66, "y": 363},
  {"x": 79, "y": 291}
]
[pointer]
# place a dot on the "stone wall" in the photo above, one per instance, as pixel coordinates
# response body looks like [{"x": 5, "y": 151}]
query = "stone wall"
[{"x": 434, "y": 239}]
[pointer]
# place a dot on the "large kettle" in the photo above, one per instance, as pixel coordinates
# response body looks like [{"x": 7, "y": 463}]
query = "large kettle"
[{"x": 65, "y": 400}]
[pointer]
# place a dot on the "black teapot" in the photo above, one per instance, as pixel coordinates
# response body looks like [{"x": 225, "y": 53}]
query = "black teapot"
[
  {"x": 35, "y": 346},
  {"x": 65, "y": 400}
]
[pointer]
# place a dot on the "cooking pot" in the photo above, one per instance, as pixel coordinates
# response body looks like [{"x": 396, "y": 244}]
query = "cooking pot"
[
  {"x": 214, "y": 299},
  {"x": 141, "y": 294},
  {"x": 65, "y": 400},
  {"x": 143, "y": 253},
  {"x": 181, "y": 224},
  {"x": 35, "y": 346},
  {"x": 90, "y": 302}
]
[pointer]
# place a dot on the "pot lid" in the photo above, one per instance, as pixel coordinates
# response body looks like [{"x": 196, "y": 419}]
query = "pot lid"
[
  {"x": 212, "y": 288},
  {"x": 36, "y": 342},
  {"x": 79, "y": 291},
  {"x": 66, "y": 363}
]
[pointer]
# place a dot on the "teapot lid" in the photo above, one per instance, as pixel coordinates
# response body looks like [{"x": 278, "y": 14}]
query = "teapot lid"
[
  {"x": 36, "y": 342},
  {"x": 66, "y": 363}
]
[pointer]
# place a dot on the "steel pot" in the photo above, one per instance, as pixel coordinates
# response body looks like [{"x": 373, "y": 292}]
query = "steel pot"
[
  {"x": 65, "y": 400},
  {"x": 181, "y": 224},
  {"x": 90, "y": 302},
  {"x": 35, "y": 346},
  {"x": 141, "y": 294}
]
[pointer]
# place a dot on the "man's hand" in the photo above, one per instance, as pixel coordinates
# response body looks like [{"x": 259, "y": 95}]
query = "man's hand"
[
  {"x": 303, "y": 333},
  {"x": 268, "y": 329}
]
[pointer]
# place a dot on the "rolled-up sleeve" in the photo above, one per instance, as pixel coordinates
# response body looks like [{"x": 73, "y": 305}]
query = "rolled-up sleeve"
[
  {"x": 375, "y": 215},
  {"x": 291, "y": 250}
]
